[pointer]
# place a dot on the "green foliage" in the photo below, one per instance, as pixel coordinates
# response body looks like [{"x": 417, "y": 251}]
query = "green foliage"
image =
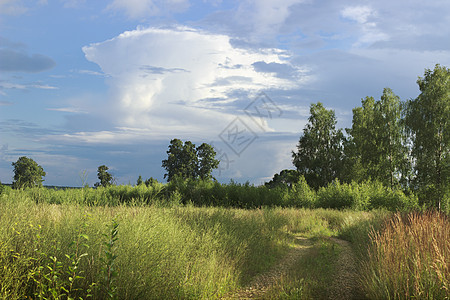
[
  {"x": 106, "y": 179},
  {"x": 1, "y": 188},
  {"x": 178, "y": 253},
  {"x": 139, "y": 180},
  {"x": 301, "y": 195},
  {"x": 376, "y": 141},
  {"x": 364, "y": 196},
  {"x": 187, "y": 162},
  {"x": 319, "y": 150},
  {"x": 427, "y": 120},
  {"x": 206, "y": 161},
  {"x": 55, "y": 277},
  {"x": 110, "y": 273},
  {"x": 286, "y": 178},
  {"x": 151, "y": 182},
  {"x": 358, "y": 196},
  {"x": 27, "y": 173}
]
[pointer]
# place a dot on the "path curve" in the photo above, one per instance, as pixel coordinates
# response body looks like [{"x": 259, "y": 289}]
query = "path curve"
[
  {"x": 345, "y": 285},
  {"x": 261, "y": 283}
]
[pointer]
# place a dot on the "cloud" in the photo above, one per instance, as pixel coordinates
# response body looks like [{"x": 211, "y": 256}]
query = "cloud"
[
  {"x": 67, "y": 109},
  {"x": 365, "y": 17},
  {"x": 12, "y": 7},
  {"x": 14, "y": 61},
  {"x": 160, "y": 70},
  {"x": 168, "y": 80},
  {"x": 359, "y": 14},
  {"x": 17, "y": 7},
  {"x": 281, "y": 70},
  {"x": 138, "y": 9},
  {"x": 73, "y": 3},
  {"x": 90, "y": 72},
  {"x": 17, "y": 86},
  {"x": 264, "y": 17},
  {"x": 252, "y": 22}
]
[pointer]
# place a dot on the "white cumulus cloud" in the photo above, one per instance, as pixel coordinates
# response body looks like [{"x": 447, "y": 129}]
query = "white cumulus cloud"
[{"x": 169, "y": 80}]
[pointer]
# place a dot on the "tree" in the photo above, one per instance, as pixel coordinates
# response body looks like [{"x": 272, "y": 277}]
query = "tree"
[
  {"x": 190, "y": 160},
  {"x": 177, "y": 162},
  {"x": 187, "y": 161},
  {"x": 206, "y": 161},
  {"x": 151, "y": 181},
  {"x": 319, "y": 151},
  {"x": 427, "y": 121},
  {"x": 27, "y": 173},
  {"x": 139, "y": 180},
  {"x": 106, "y": 179},
  {"x": 376, "y": 142},
  {"x": 286, "y": 178}
]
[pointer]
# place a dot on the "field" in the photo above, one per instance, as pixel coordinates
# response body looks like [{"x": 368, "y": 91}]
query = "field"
[{"x": 54, "y": 246}]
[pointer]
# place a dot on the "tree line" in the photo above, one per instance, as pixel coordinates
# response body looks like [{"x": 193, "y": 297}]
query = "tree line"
[{"x": 401, "y": 144}]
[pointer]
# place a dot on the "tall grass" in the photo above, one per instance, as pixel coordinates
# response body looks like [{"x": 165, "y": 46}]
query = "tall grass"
[
  {"x": 178, "y": 252},
  {"x": 409, "y": 258}
]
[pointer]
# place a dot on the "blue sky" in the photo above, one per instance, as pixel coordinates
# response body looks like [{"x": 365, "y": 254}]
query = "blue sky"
[{"x": 86, "y": 83}]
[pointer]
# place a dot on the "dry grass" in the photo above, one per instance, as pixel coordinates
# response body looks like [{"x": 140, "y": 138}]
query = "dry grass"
[{"x": 410, "y": 258}]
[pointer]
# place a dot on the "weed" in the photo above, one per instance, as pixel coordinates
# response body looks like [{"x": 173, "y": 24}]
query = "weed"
[{"x": 109, "y": 269}]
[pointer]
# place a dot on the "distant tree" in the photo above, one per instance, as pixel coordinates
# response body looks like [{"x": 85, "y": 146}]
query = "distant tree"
[
  {"x": 206, "y": 161},
  {"x": 106, "y": 179},
  {"x": 174, "y": 163},
  {"x": 151, "y": 181},
  {"x": 190, "y": 160},
  {"x": 427, "y": 120},
  {"x": 285, "y": 178},
  {"x": 187, "y": 161},
  {"x": 319, "y": 151},
  {"x": 377, "y": 140},
  {"x": 27, "y": 173},
  {"x": 139, "y": 180}
]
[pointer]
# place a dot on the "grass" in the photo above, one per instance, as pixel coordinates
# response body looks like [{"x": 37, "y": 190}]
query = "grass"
[
  {"x": 55, "y": 245},
  {"x": 310, "y": 275},
  {"x": 409, "y": 258},
  {"x": 179, "y": 252}
]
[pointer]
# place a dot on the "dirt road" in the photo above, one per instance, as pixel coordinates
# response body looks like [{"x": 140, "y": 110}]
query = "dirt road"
[{"x": 343, "y": 287}]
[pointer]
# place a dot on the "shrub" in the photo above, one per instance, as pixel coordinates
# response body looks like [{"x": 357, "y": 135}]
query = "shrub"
[
  {"x": 386, "y": 198},
  {"x": 336, "y": 195},
  {"x": 301, "y": 195}
]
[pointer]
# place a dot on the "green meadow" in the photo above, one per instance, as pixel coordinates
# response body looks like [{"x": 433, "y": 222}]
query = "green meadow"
[{"x": 90, "y": 243}]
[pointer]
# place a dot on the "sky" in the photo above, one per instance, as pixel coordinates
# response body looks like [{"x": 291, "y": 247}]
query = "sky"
[{"x": 85, "y": 83}]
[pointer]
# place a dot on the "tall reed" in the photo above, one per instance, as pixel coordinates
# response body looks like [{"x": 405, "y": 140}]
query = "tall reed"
[{"x": 409, "y": 258}]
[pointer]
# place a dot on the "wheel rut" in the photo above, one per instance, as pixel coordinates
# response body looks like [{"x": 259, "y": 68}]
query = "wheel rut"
[
  {"x": 344, "y": 285},
  {"x": 261, "y": 283}
]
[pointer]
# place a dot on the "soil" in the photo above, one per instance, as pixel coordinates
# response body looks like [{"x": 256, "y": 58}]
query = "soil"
[{"x": 345, "y": 285}]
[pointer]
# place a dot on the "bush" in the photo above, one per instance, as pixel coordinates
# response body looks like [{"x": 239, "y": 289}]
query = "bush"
[
  {"x": 301, "y": 195},
  {"x": 337, "y": 196},
  {"x": 386, "y": 198}
]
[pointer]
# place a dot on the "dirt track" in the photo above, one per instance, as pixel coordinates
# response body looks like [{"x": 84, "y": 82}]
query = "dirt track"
[{"x": 344, "y": 286}]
